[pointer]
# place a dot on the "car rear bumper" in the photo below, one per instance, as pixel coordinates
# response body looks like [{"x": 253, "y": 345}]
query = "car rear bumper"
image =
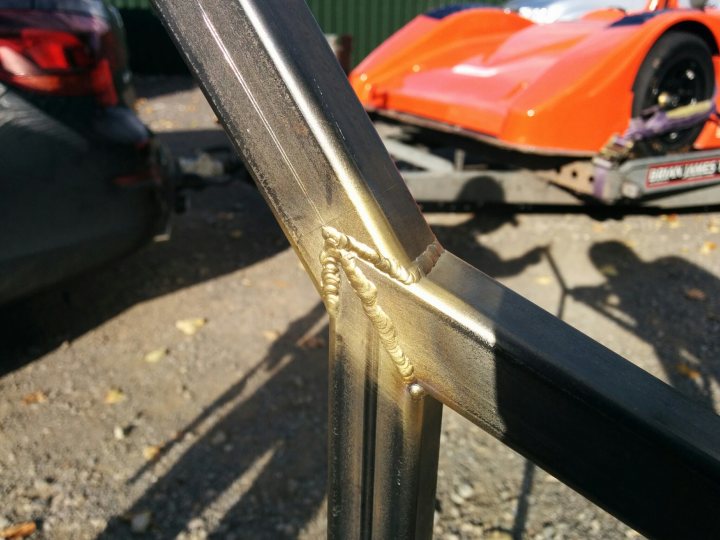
[{"x": 75, "y": 191}]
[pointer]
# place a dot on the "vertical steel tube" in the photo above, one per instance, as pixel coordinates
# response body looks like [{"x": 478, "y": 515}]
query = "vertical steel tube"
[
  {"x": 407, "y": 443},
  {"x": 384, "y": 438},
  {"x": 347, "y": 424}
]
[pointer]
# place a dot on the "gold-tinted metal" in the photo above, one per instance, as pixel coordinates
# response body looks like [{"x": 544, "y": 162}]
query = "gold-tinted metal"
[{"x": 341, "y": 252}]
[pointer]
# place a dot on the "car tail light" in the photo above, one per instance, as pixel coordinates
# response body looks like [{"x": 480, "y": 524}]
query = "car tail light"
[{"x": 59, "y": 54}]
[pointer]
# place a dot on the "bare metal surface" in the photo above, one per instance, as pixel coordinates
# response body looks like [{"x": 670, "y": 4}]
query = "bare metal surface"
[
  {"x": 340, "y": 253},
  {"x": 583, "y": 413}
]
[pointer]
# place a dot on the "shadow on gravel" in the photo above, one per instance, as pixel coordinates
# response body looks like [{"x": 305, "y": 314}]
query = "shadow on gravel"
[
  {"x": 150, "y": 86},
  {"x": 260, "y": 469},
  {"x": 460, "y": 240},
  {"x": 671, "y": 304},
  {"x": 229, "y": 228}
]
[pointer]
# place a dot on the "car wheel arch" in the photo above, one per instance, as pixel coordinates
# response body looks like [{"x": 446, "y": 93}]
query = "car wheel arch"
[{"x": 697, "y": 28}]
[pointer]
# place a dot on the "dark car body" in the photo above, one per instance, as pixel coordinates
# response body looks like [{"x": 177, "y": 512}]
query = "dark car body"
[{"x": 82, "y": 180}]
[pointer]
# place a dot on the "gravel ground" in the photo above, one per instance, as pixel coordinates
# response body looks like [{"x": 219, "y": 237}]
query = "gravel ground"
[{"x": 181, "y": 392}]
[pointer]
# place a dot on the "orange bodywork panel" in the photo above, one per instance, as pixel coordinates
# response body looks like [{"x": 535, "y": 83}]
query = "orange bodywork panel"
[{"x": 564, "y": 87}]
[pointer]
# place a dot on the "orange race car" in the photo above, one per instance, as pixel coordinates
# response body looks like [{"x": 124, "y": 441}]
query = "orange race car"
[{"x": 606, "y": 84}]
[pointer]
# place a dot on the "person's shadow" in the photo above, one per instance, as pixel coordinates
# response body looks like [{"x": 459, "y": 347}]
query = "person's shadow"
[
  {"x": 460, "y": 239},
  {"x": 671, "y": 304},
  {"x": 260, "y": 470}
]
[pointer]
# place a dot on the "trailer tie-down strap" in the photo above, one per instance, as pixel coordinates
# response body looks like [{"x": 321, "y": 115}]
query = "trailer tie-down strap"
[{"x": 654, "y": 122}]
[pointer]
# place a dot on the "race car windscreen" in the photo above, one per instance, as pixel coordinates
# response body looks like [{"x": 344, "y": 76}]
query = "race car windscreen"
[{"x": 548, "y": 11}]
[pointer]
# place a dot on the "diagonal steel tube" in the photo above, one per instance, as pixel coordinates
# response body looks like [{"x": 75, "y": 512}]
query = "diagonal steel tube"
[{"x": 413, "y": 326}]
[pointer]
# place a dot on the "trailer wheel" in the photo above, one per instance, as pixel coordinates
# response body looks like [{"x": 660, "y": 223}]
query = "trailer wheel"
[{"x": 677, "y": 71}]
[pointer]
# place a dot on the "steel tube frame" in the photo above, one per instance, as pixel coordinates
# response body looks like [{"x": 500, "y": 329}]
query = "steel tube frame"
[{"x": 413, "y": 326}]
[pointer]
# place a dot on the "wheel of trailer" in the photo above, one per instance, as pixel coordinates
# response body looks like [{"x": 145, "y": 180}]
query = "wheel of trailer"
[{"x": 677, "y": 71}]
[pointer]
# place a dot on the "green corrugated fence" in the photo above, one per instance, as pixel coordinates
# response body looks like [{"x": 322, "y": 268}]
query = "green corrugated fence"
[
  {"x": 369, "y": 22},
  {"x": 131, "y": 4}
]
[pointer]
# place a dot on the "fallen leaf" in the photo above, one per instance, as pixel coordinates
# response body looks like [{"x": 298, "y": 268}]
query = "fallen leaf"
[
  {"x": 672, "y": 220},
  {"x": 114, "y": 395},
  {"x": 271, "y": 335},
  {"x": 695, "y": 294},
  {"x": 151, "y": 452},
  {"x": 280, "y": 283},
  {"x": 312, "y": 342},
  {"x": 598, "y": 227},
  {"x": 713, "y": 227},
  {"x": 190, "y": 327},
  {"x": 35, "y": 397},
  {"x": 686, "y": 370},
  {"x": 608, "y": 270},
  {"x": 543, "y": 280},
  {"x": 708, "y": 247},
  {"x": 21, "y": 530},
  {"x": 153, "y": 357}
]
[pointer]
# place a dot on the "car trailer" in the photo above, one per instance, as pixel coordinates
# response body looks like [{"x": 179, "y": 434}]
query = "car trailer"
[
  {"x": 446, "y": 164},
  {"x": 413, "y": 327}
]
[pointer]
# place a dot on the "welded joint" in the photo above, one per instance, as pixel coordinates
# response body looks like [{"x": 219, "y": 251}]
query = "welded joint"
[{"x": 340, "y": 251}]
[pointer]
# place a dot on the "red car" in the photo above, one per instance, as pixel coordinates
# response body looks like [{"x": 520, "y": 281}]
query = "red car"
[{"x": 82, "y": 180}]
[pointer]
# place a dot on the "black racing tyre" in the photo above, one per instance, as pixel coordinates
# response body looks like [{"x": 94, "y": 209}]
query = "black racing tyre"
[{"x": 678, "y": 71}]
